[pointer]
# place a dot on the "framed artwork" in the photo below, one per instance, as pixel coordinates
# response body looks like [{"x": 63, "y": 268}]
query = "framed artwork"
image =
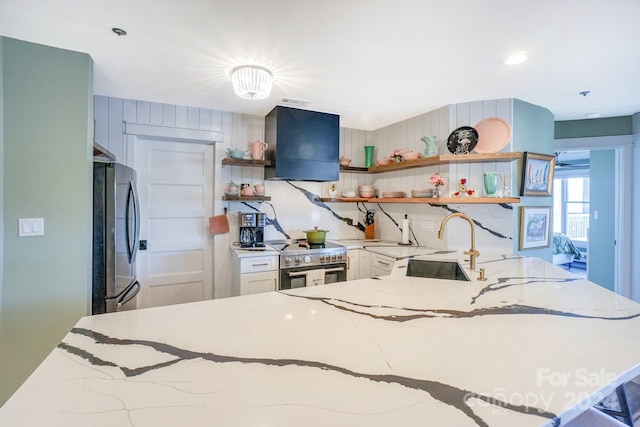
[
  {"x": 537, "y": 174},
  {"x": 535, "y": 227}
]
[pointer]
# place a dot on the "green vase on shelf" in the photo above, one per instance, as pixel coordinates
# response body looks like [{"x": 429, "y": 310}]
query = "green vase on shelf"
[{"x": 368, "y": 156}]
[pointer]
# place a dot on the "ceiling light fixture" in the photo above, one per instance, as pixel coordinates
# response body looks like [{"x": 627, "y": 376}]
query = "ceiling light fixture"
[
  {"x": 252, "y": 82},
  {"x": 517, "y": 58}
]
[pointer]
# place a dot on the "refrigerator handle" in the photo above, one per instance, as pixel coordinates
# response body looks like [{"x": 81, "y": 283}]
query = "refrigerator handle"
[
  {"x": 128, "y": 293},
  {"x": 136, "y": 207},
  {"x": 132, "y": 203}
]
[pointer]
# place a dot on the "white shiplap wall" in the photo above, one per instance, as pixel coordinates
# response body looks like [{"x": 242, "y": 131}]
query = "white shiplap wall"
[{"x": 237, "y": 130}]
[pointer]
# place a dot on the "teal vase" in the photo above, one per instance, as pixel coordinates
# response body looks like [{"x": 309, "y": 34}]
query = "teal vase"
[
  {"x": 368, "y": 156},
  {"x": 490, "y": 183}
]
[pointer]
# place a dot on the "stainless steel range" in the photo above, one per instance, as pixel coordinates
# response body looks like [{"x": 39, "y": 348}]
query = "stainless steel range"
[{"x": 305, "y": 264}]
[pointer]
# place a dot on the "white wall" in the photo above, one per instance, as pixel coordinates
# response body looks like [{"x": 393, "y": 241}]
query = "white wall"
[
  {"x": 237, "y": 130},
  {"x": 635, "y": 209}
]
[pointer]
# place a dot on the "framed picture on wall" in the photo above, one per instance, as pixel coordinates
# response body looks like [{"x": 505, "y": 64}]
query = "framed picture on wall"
[
  {"x": 535, "y": 227},
  {"x": 537, "y": 174}
]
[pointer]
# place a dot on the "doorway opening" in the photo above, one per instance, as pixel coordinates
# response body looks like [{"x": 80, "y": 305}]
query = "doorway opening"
[
  {"x": 618, "y": 209},
  {"x": 571, "y": 211}
]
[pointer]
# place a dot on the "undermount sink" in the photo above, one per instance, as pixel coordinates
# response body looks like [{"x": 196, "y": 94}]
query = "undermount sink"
[{"x": 436, "y": 269}]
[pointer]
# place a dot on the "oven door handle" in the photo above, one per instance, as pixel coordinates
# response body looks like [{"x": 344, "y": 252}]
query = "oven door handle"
[
  {"x": 334, "y": 270},
  {"x": 298, "y": 274}
]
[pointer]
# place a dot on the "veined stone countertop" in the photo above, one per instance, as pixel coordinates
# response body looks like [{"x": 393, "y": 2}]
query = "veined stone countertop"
[
  {"x": 387, "y": 247},
  {"x": 532, "y": 346},
  {"x": 266, "y": 251}
]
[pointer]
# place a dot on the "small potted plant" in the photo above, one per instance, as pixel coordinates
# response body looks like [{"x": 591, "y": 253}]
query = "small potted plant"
[{"x": 436, "y": 180}]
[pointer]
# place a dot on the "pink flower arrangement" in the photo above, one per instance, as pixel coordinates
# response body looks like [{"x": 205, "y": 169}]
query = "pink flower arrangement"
[{"x": 436, "y": 180}]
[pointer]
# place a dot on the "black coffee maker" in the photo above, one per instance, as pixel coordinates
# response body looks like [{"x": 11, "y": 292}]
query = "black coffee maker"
[{"x": 252, "y": 229}]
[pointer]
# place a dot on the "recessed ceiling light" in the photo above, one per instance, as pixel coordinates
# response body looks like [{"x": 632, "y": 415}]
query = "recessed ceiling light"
[
  {"x": 517, "y": 58},
  {"x": 119, "y": 31}
]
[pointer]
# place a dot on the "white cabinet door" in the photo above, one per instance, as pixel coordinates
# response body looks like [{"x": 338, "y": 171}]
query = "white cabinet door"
[
  {"x": 353, "y": 264},
  {"x": 364, "y": 264},
  {"x": 255, "y": 283}
]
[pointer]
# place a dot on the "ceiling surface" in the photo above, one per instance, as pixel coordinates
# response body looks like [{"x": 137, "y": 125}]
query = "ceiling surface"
[{"x": 373, "y": 62}]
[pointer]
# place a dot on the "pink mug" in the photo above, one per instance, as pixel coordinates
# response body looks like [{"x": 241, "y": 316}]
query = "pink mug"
[{"x": 257, "y": 149}]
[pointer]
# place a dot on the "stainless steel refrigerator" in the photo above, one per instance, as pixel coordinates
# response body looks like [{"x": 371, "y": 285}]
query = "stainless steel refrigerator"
[{"x": 116, "y": 233}]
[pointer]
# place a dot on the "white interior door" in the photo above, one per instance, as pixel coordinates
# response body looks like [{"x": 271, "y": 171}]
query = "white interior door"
[{"x": 175, "y": 182}]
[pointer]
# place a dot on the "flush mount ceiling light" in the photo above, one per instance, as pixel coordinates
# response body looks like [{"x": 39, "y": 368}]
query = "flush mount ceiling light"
[
  {"x": 516, "y": 58},
  {"x": 252, "y": 82}
]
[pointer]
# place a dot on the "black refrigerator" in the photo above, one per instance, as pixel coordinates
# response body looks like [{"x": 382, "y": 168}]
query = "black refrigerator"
[{"x": 116, "y": 233}]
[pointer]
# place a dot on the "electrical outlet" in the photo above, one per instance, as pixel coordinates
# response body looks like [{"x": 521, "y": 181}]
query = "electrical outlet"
[{"x": 427, "y": 225}]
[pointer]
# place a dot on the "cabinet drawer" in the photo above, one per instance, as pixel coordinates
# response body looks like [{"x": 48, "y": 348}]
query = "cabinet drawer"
[
  {"x": 257, "y": 264},
  {"x": 382, "y": 262},
  {"x": 375, "y": 272}
]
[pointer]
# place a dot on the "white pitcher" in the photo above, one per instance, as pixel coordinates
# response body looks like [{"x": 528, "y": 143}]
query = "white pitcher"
[{"x": 257, "y": 149}]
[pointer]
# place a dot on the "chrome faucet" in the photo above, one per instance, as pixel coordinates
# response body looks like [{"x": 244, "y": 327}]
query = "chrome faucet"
[{"x": 473, "y": 252}]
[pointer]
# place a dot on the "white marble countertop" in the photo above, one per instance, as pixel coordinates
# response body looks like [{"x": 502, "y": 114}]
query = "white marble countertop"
[
  {"x": 266, "y": 251},
  {"x": 386, "y": 247},
  {"x": 531, "y": 346}
]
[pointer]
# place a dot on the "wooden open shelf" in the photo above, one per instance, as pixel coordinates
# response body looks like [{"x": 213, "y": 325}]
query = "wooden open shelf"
[
  {"x": 247, "y": 198},
  {"x": 437, "y": 160},
  {"x": 245, "y": 162},
  {"x": 354, "y": 169},
  {"x": 431, "y": 200}
]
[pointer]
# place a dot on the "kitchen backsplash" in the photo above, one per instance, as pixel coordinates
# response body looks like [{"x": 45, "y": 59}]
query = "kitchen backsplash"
[{"x": 295, "y": 207}]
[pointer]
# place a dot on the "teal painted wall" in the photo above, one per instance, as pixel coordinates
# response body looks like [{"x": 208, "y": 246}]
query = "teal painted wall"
[
  {"x": 602, "y": 230},
  {"x": 608, "y": 126},
  {"x": 533, "y": 130},
  {"x": 47, "y": 131},
  {"x": 1, "y": 185}
]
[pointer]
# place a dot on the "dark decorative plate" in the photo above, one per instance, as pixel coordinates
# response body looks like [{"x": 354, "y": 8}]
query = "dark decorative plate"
[{"x": 462, "y": 140}]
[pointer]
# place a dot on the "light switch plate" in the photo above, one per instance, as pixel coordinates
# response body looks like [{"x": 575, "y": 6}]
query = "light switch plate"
[{"x": 28, "y": 227}]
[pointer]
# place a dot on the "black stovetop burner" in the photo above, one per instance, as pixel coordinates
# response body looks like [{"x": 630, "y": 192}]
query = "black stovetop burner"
[{"x": 301, "y": 245}]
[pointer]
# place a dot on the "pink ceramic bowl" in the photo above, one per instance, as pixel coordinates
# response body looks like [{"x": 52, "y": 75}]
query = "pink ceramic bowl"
[
  {"x": 345, "y": 161},
  {"x": 384, "y": 161}
]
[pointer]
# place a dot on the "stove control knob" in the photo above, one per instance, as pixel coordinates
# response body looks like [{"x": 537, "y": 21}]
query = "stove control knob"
[
  {"x": 298, "y": 260},
  {"x": 321, "y": 258},
  {"x": 307, "y": 259},
  {"x": 340, "y": 256},
  {"x": 288, "y": 260},
  {"x": 333, "y": 257}
]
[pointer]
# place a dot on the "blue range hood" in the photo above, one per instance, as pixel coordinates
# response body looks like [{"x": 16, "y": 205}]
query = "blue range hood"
[{"x": 303, "y": 145}]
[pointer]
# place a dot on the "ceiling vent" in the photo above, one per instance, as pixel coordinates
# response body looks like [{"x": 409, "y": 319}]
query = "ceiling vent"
[{"x": 295, "y": 102}]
